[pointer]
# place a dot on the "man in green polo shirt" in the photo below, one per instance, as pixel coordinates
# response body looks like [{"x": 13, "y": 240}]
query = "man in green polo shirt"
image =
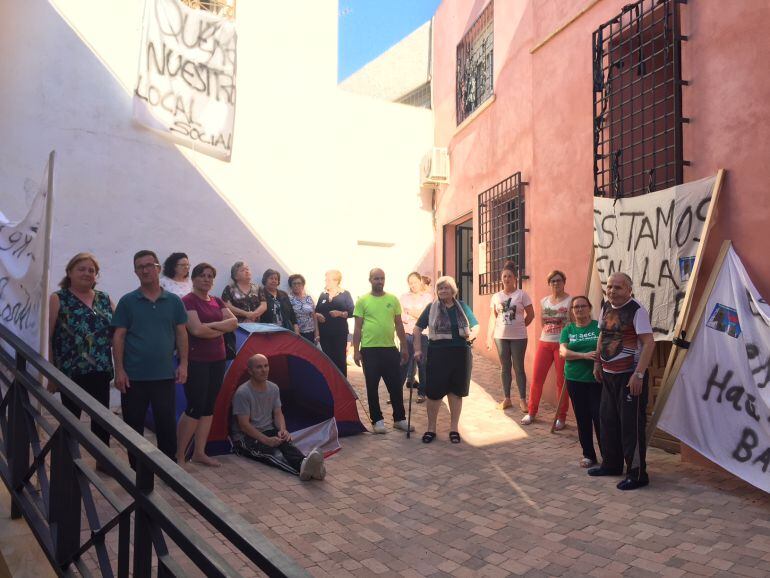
[
  {"x": 378, "y": 316},
  {"x": 149, "y": 325}
]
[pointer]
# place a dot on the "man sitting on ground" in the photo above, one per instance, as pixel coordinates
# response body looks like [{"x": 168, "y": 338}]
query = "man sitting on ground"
[{"x": 258, "y": 427}]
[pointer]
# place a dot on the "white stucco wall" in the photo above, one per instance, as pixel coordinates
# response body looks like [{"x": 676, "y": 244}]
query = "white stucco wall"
[
  {"x": 397, "y": 71},
  {"x": 314, "y": 169}
]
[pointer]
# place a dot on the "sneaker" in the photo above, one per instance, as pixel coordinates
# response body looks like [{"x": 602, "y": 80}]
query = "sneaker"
[
  {"x": 527, "y": 419},
  {"x": 321, "y": 472},
  {"x": 403, "y": 426},
  {"x": 559, "y": 425},
  {"x": 379, "y": 427},
  {"x": 311, "y": 466}
]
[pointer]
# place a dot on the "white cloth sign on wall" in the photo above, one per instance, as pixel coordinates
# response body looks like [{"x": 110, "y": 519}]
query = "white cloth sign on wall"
[
  {"x": 720, "y": 401},
  {"x": 186, "y": 83},
  {"x": 654, "y": 239},
  {"x": 22, "y": 247}
]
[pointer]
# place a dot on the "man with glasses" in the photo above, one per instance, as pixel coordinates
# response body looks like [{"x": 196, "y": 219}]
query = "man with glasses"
[
  {"x": 623, "y": 354},
  {"x": 149, "y": 325}
]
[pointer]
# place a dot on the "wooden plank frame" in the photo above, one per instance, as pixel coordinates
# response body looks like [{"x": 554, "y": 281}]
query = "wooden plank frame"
[
  {"x": 692, "y": 331},
  {"x": 685, "y": 320}
]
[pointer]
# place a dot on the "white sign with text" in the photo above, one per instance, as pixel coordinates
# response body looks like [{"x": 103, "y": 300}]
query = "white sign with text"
[
  {"x": 720, "y": 401},
  {"x": 654, "y": 239},
  {"x": 22, "y": 247},
  {"x": 186, "y": 83}
]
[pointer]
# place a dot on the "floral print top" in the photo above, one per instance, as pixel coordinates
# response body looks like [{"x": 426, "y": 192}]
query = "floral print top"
[
  {"x": 246, "y": 301},
  {"x": 82, "y": 338}
]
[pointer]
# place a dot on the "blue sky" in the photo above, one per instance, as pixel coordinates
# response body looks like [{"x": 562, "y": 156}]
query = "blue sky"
[{"x": 367, "y": 28}]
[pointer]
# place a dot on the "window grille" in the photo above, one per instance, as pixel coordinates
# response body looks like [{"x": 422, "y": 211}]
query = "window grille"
[
  {"x": 419, "y": 97},
  {"x": 474, "y": 65},
  {"x": 501, "y": 231},
  {"x": 638, "y": 100}
]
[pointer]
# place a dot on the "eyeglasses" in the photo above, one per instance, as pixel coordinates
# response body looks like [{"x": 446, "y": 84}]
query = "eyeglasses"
[
  {"x": 183, "y": 265},
  {"x": 297, "y": 283},
  {"x": 147, "y": 266},
  {"x": 556, "y": 281}
]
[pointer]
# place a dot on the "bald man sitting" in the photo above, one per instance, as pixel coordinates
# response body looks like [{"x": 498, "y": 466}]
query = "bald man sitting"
[{"x": 258, "y": 428}]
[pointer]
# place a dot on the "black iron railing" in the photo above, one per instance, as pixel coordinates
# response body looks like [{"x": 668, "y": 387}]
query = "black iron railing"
[
  {"x": 637, "y": 86},
  {"x": 501, "y": 231},
  {"x": 83, "y": 522},
  {"x": 475, "y": 65}
]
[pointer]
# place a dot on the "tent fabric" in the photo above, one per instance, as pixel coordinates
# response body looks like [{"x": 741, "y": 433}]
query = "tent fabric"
[{"x": 313, "y": 390}]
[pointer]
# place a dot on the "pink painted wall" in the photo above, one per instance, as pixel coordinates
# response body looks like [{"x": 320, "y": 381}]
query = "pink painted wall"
[{"x": 540, "y": 123}]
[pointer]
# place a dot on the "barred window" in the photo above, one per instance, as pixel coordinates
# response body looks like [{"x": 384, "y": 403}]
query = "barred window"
[
  {"x": 474, "y": 65},
  {"x": 501, "y": 231},
  {"x": 638, "y": 100}
]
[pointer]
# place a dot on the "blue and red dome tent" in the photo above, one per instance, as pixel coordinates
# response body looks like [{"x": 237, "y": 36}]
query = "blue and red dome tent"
[{"x": 313, "y": 390}]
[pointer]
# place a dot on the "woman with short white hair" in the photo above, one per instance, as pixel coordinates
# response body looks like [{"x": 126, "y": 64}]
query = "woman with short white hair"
[{"x": 452, "y": 327}]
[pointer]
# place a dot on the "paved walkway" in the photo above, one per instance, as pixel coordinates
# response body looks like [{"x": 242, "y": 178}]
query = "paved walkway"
[{"x": 507, "y": 501}]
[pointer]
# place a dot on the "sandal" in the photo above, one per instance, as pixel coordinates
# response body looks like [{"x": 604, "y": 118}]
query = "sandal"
[
  {"x": 428, "y": 437},
  {"x": 420, "y": 398},
  {"x": 505, "y": 404},
  {"x": 454, "y": 437}
]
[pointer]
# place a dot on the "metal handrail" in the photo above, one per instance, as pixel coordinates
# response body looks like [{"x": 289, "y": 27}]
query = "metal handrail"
[{"x": 52, "y": 509}]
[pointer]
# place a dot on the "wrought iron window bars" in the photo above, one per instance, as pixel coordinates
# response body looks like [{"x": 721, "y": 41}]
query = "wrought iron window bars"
[
  {"x": 637, "y": 120},
  {"x": 501, "y": 231}
]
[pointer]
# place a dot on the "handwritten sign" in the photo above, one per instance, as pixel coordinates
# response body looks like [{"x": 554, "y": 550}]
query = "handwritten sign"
[
  {"x": 21, "y": 270},
  {"x": 720, "y": 401},
  {"x": 653, "y": 238},
  {"x": 186, "y": 83}
]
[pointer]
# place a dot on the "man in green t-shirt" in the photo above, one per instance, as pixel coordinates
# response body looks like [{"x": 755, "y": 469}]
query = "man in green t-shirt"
[{"x": 378, "y": 316}]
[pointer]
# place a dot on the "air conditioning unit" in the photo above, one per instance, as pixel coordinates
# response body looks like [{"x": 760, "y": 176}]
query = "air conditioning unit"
[{"x": 434, "y": 169}]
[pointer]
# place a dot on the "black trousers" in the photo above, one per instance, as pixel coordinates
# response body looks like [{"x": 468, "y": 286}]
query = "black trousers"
[
  {"x": 624, "y": 425},
  {"x": 161, "y": 395},
  {"x": 586, "y": 402},
  {"x": 97, "y": 385},
  {"x": 335, "y": 347},
  {"x": 204, "y": 380},
  {"x": 383, "y": 363},
  {"x": 285, "y": 456}
]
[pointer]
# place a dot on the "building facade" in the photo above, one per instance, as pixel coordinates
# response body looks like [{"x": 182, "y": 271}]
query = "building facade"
[
  {"x": 320, "y": 178},
  {"x": 542, "y": 104}
]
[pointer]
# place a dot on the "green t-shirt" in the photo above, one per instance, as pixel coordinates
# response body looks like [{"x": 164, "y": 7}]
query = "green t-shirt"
[
  {"x": 581, "y": 340},
  {"x": 378, "y": 314}
]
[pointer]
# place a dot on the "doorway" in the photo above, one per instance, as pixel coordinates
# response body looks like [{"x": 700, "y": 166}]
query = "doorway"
[{"x": 464, "y": 264}]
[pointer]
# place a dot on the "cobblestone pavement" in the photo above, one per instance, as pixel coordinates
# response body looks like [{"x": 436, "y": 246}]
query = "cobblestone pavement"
[{"x": 507, "y": 501}]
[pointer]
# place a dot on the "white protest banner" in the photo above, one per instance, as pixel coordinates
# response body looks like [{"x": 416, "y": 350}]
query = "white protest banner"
[
  {"x": 720, "y": 400},
  {"x": 22, "y": 249},
  {"x": 186, "y": 83},
  {"x": 653, "y": 238}
]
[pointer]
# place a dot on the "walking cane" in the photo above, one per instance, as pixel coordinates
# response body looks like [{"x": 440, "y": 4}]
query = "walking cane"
[{"x": 409, "y": 415}]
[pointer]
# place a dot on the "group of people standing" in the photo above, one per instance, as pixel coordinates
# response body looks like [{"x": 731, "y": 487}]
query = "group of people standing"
[
  {"x": 175, "y": 317},
  {"x": 603, "y": 364},
  {"x": 172, "y": 330}
]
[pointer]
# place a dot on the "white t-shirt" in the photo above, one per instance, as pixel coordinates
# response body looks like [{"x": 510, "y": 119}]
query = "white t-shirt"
[
  {"x": 509, "y": 307},
  {"x": 178, "y": 288},
  {"x": 555, "y": 317}
]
